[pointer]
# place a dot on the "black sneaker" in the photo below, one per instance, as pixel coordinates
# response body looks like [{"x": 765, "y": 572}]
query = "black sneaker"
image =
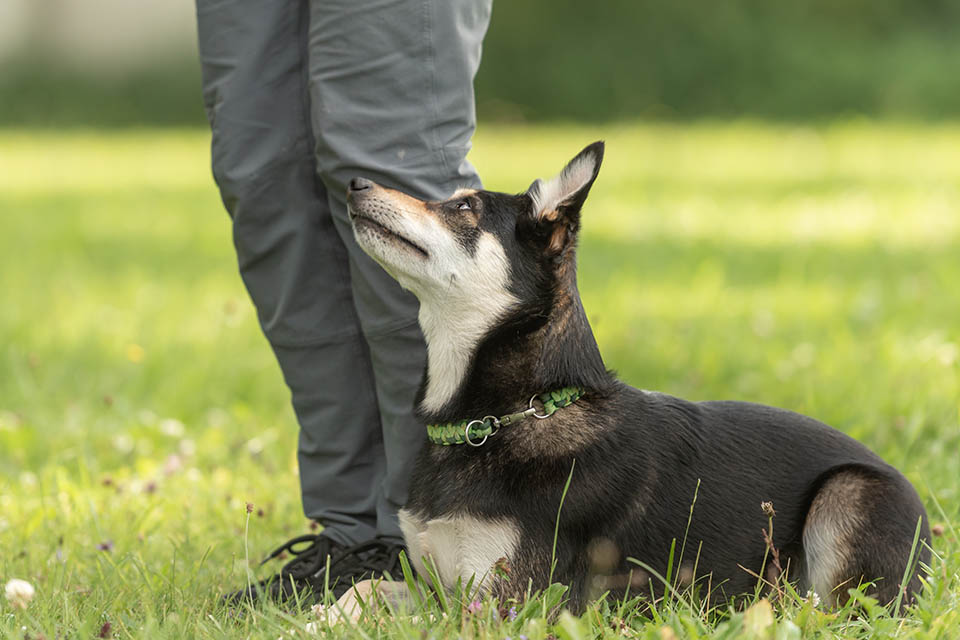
[
  {"x": 302, "y": 575},
  {"x": 373, "y": 559}
]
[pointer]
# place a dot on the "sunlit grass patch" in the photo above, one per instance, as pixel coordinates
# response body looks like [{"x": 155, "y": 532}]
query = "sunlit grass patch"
[{"x": 141, "y": 409}]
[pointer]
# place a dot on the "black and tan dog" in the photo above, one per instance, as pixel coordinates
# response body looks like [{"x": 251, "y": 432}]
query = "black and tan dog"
[{"x": 507, "y": 337}]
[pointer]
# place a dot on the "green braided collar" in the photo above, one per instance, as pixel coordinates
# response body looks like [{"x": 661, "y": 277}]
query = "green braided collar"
[{"x": 476, "y": 432}]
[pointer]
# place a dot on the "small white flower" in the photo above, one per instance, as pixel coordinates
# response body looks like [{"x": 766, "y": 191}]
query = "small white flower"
[
  {"x": 813, "y": 597},
  {"x": 172, "y": 427},
  {"x": 19, "y": 593}
]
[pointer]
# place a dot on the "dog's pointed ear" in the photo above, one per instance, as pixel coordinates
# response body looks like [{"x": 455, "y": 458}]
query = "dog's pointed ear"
[{"x": 563, "y": 195}]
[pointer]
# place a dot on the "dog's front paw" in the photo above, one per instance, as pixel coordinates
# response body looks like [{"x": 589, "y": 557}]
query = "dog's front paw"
[{"x": 349, "y": 607}]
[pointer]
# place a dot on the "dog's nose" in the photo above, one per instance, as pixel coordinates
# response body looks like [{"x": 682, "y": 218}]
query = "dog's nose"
[{"x": 360, "y": 184}]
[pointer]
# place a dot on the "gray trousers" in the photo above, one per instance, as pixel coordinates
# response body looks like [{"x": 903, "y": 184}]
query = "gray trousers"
[{"x": 303, "y": 95}]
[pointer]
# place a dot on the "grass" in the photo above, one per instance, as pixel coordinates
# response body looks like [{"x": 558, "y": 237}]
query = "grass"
[{"x": 141, "y": 409}]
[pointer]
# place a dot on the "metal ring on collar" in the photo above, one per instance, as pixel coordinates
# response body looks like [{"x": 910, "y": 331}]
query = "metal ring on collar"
[
  {"x": 466, "y": 434},
  {"x": 535, "y": 414}
]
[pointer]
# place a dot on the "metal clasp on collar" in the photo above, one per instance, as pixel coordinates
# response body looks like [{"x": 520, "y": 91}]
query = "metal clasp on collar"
[
  {"x": 446, "y": 433},
  {"x": 517, "y": 417},
  {"x": 499, "y": 422}
]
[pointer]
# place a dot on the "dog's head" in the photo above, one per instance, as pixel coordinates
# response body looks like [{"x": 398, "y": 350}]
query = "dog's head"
[
  {"x": 493, "y": 248},
  {"x": 483, "y": 264}
]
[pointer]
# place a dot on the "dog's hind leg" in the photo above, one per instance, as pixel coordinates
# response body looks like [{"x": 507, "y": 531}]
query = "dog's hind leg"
[{"x": 860, "y": 528}]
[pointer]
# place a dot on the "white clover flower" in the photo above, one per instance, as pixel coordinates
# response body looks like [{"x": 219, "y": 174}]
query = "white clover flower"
[{"x": 19, "y": 593}]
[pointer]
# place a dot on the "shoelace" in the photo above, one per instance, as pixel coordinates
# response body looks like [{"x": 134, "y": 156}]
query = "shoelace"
[
  {"x": 307, "y": 561},
  {"x": 373, "y": 557}
]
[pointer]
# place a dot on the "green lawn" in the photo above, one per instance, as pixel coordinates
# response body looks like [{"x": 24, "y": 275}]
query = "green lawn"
[{"x": 816, "y": 269}]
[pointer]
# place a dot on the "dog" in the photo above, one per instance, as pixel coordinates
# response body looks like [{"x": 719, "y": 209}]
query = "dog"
[{"x": 531, "y": 437}]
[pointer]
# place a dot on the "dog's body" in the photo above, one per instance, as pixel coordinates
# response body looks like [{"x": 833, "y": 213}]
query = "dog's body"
[
  {"x": 634, "y": 484},
  {"x": 495, "y": 274}
]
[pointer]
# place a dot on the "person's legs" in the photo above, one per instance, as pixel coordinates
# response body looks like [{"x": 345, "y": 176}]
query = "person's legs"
[
  {"x": 391, "y": 88},
  {"x": 292, "y": 260}
]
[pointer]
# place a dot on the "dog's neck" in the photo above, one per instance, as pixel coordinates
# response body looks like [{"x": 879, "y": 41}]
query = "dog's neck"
[{"x": 475, "y": 370}]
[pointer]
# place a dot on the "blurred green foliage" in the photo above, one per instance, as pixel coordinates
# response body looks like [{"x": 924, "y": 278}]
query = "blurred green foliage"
[
  {"x": 43, "y": 93},
  {"x": 613, "y": 60},
  {"x": 689, "y": 58}
]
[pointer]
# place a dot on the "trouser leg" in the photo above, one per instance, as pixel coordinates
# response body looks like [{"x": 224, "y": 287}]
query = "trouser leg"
[
  {"x": 291, "y": 258},
  {"x": 391, "y": 99}
]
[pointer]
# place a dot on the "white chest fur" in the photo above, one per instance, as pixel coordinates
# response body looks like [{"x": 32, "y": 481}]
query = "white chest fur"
[{"x": 460, "y": 546}]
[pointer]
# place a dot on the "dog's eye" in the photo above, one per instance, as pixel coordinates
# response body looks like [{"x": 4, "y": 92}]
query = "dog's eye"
[{"x": 463, "y": 205}]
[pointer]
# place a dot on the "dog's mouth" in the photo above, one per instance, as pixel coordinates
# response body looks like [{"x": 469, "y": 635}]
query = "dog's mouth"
[{"x": 361, "y": 221}]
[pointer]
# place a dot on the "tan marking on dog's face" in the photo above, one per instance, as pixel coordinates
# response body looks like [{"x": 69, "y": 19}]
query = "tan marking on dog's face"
[
  {"x": 406, "y": 202},
  {"x": 461, "y": 193}
]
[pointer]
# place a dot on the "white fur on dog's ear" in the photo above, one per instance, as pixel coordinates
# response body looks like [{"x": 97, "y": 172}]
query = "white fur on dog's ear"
[{"x": 569, "y": 186}]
